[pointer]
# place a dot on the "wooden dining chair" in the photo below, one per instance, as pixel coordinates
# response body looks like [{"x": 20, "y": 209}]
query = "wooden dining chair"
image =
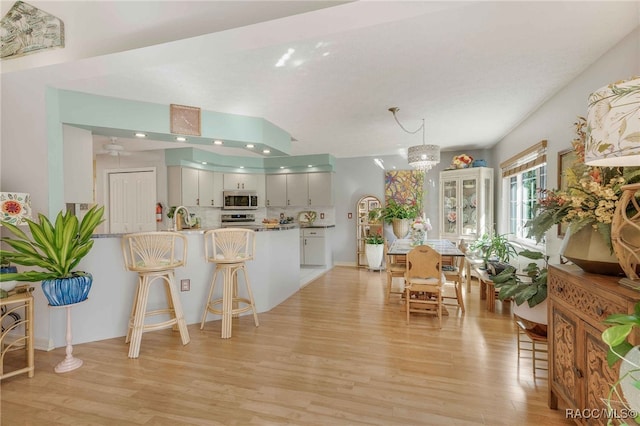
[
  {"x": 395, "y": 267},
  {"x": 423, "y": 282},
  {"x": 453, "y": 273}
]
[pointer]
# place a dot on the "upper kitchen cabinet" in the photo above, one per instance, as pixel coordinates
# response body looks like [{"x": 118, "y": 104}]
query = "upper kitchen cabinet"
[
  {"x": 194, "y": 187},
  {"x": 276, "y": 195},
  {"x": 299, "y": 190},
  {"x": 321, "y": 189},
  {"x": 466, "y": 203},
  {"x": 240, "y": 181}
]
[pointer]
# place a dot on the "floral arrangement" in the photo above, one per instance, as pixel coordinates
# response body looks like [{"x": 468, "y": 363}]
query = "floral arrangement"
[
  {"x": 461, "y": 161},
  {"x": 419, "y": 230},
  {"x": 590, "y": 198}
]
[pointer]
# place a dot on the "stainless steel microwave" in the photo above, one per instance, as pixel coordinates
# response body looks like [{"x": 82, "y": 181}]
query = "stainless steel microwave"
[{"x": 240, "y": 200}]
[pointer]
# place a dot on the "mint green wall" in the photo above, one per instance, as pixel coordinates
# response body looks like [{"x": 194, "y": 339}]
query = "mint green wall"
[
  {"x": 55, "y": 151},
  {"x": 123, "y": 117}
]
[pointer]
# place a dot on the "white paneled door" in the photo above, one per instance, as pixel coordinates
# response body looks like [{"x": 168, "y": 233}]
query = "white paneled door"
[{"x": 132, "y": 202}]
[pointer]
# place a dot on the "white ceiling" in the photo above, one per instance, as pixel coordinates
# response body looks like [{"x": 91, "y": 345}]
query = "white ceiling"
[{"x": 473, "y": 70}]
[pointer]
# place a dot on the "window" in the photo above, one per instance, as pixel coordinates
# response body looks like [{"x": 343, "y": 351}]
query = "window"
[{"x": 525, "y": 175}]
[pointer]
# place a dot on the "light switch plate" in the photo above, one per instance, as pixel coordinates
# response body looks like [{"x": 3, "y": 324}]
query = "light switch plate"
[{"x": 185, "y": 285}]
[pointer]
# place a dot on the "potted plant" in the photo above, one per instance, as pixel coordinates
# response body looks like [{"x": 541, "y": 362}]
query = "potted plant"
[
  {"x": 496, "y": 247},
  {"x": 586, "y": 205},
  {"x": 374, "y": 218},
  {"x": 533, "y": 290},
  {"x": 374, "y": 249},
  {"x": 55, "y": 249},
  {"x": 399, "y": 216},
  {"x": 620, "y": 349}
]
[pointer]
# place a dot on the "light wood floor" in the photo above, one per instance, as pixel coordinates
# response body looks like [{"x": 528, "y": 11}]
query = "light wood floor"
[{"x": 332, "y": 354}]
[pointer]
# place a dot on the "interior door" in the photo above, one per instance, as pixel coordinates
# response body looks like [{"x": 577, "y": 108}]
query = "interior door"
[{"x": 132, "y": 202}]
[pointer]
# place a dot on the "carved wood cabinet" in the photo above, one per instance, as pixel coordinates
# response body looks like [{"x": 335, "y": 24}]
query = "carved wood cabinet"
[{"x": 578, "y": 370}]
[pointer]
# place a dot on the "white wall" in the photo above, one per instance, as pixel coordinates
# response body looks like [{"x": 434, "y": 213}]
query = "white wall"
[{"x": 554, "y": 120}]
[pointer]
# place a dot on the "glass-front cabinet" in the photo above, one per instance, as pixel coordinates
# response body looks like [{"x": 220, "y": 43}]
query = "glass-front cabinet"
[{"x": 466, "y": 203}]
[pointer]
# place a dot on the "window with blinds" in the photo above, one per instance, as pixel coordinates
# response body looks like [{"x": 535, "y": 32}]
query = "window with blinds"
[{"x": 525, "y": 175}]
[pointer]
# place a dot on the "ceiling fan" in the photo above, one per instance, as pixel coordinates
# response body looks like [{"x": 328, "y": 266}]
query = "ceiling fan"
[{"x": 113, "y": 149}]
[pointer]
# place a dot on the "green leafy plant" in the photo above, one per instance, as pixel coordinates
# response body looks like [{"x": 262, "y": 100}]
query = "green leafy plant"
[
  {"x": 616, "y": 337},
  {"x": 590, "y": 198},
  {"x": 374, "y": 239},
  {"x": 494, "y": 246},
  {"x": 54, "y": 248},
  {"x": 375, "y": 215},
  {"x": 395, "y": 210},
  {"x": 511, "y": 285}
]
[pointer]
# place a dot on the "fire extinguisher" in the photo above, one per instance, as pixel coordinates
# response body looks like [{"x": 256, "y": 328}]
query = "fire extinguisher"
[{"x": 158, "y": 212}]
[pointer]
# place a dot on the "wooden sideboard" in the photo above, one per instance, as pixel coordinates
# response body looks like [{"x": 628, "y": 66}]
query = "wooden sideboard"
[{"x": 578, "y": 369}]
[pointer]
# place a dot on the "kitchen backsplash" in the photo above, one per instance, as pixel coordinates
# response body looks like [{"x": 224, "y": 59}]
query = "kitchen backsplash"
[{"x": 210, "y": 217}]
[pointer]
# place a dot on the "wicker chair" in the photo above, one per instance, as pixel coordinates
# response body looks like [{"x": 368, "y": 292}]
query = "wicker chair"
[
  {"x": 154, "y": 256},
  {"x": 229, "y": 249}
]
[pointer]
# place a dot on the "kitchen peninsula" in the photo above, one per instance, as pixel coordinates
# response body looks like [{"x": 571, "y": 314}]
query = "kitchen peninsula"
[{"x": 274, "y": 275}]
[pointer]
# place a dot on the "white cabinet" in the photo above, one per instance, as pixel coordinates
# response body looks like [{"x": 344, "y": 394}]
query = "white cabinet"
[
  {"x": 466, "y": 203},
  {"x": 299, "y": 190},
  {"x": 276, "y": 186},
  {"x": 321, "y": 189},
  {"x": 312, "y": 246},
  {"x": 240, "y": 181},
  {"x": 194, "y": 187}
]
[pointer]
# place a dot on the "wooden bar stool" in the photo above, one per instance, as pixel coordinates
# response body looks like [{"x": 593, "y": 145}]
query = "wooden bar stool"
[
  {"x": 229, "y": 249},
  {"x": 153, "y": 256}
]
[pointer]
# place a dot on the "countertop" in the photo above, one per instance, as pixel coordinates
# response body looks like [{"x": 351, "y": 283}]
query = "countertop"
[{"x": 259, "y": 227}]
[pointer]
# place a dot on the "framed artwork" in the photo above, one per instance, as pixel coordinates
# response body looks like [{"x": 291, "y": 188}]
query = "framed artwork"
[
  {"x": 565, "y": 159},
  {"x": 404, "y": 187},
  {"x": 26, "y": 29},
  {"x": 185, "y": 120},
  {"x": 373, "y": 205}
]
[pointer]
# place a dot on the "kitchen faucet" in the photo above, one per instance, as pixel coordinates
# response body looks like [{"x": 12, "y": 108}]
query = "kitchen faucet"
[{"x": 187, "y": 217}]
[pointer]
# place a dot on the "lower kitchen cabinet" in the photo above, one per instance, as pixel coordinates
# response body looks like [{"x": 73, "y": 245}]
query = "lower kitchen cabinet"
[
  {"x": 313, "y": 246},
  {"x": 578, "y": 369}
]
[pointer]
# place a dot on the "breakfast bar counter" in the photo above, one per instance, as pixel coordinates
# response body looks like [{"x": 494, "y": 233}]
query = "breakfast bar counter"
[{"x": 274, "y": 274}]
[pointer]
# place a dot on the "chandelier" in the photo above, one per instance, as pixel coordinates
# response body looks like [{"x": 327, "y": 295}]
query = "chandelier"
[{"x": 421, "y": 157}]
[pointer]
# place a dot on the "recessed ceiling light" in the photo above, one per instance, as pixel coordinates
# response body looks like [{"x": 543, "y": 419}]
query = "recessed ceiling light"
[
  {"x": 282, "y": 167},
  {"x": 309, "y": 165},
  {"x": 242, "y": 167},
  {"x": 266, "y": 151},
  {"x": 204, "y": 162},
  {"x": 141, "y": 135},
  {"x": 217, "y": 142},
  {"x": 181, "y": 139},
  {"x": 250, "y": 145}
]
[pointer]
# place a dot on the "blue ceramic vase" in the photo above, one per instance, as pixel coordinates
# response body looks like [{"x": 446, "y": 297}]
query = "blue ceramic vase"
[{"x": 67, "y": 291}]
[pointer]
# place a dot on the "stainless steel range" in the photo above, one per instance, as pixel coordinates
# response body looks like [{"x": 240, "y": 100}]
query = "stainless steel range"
[{"x": 240, "y": 219}]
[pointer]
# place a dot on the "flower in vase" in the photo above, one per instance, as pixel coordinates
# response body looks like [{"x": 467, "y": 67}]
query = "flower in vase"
[{"x": 590, "y": 198}]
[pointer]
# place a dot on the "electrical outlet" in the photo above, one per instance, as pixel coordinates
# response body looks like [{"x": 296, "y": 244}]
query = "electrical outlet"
[
  {"x": 185, "y": 285},
  {"x": 349, "y": 215},
  {"x": 321, "y": 215}
]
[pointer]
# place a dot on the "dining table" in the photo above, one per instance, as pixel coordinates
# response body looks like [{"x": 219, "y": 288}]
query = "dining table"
[{"x": 402, "y": 246}]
